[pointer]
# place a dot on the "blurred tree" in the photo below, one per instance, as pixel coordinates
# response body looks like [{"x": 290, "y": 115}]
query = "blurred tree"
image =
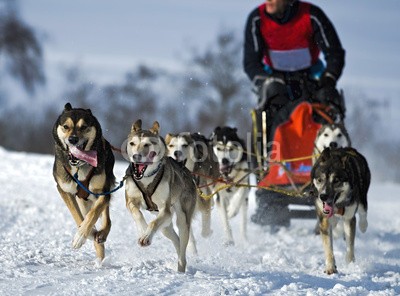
[
  {"x": 20, "y": 47},
  {"x": 217, "y": 86}
]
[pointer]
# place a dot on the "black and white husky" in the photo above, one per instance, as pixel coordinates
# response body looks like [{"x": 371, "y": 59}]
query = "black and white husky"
[
  {"x": 230, "y": 152},
  {"x": 331, "y": 135},
  {"x": 340, "y": 180}
]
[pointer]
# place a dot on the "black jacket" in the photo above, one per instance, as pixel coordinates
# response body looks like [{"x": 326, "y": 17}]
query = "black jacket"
[{"x": 324, "y": 35}]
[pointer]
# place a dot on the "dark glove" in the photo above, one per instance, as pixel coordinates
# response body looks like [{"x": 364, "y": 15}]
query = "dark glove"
[
  {"x": 327, "y": 80},
  {"x": 328, "y": 94}
]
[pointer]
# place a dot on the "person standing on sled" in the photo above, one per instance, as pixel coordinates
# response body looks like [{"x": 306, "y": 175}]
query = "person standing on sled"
[{"x": 283, "y": 40}]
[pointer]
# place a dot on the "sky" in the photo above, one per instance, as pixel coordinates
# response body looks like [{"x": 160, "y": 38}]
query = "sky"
[{"x": 108, "y": 37}]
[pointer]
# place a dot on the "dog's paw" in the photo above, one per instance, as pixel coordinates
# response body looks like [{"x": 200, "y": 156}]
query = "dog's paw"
[
  {"x": 79, "y": 240},
  {"x": 229, "y": 243},
  {"x": 144, "y": 241},
  {"x": 363, "y": 225},
  {"x": 350, "y": 258},
  {"x": 330, "y": 270},
  {"x": 98, "y": 263},
  {"x": 100, "y": 237}
]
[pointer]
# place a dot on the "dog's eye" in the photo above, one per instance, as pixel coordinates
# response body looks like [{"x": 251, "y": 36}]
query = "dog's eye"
[
  {"x": 319, "y": 180},
  {"x": 146, "y": 145},
  {"x": 326, "y": 135},
  {"x": 220, "y": 148},
  {"x": 170, "y": 146},
  {"x": 131, "y": 143},
  {"x": 83, "y": 127},
  {"x": 339, "y": 135},
  {"x": 66, "y": 127},
  {"x": 185, "y": 145},
  {"x": 336, "y": 181}
]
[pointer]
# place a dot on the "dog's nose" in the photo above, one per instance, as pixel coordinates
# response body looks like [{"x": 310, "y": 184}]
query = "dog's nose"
[
  {"x": 178, "y": 153},
  {"x": 225, "y": 161},
  {"x": 137, "y": 157},
  {"x": 333, "y": 145},
  {"x": 73, "y": 140},
  {"x": 324, "y": 197}
]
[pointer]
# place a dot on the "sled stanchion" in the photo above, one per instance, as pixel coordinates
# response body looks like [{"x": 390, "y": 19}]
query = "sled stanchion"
[
  {"x": 264, "y": 138},
  {"x": 255, "y": 141}
]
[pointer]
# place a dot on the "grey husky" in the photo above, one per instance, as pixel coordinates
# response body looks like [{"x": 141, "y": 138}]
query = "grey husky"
[
  {"x": 195, "y": 152},
  {"x": 160, "y": 185},
  {"x": 340, "y": 180},
  {"x": 81, "y": 151}
]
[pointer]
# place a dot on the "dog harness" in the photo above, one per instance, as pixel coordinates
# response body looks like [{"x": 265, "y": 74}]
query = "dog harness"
[
  {"x": 340, "y": 211},
  {"x": 82, "y": 193},
  {"x": 148, "y": 191}
]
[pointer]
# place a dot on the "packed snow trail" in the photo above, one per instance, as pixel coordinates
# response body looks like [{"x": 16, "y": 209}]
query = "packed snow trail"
[{"x": 36, "y": 257}]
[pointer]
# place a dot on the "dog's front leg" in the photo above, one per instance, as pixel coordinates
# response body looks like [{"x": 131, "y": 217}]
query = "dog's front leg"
[
  {"x": 134, "y": 207},
  {"x": 236, "y": 202},
  {"x": 350, "y": 233},
  {"x": 363, "y": 223},
  {"x": 205, "y": 206},
  {"x": 163, "y": 219},
  {"x": 221, "y": 204},
  {"x": 90, "y": 220},
  {"x": 326, "y": 235},
  {"x": 243, "y": 222},
  {"x": 73, "y": 207},
  {"x": 102, "y": 234}
]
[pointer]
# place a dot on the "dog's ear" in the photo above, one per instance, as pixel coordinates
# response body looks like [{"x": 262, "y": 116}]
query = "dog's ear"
[
  {"x": 168, "y": 138},
  {"x": 67, "y": 107},
  {"x": 89, "y": 111},
  {"x": 325, "y": 155},
  {"x": 137, "y": 126},
  {"x": 155, "y": 128}
]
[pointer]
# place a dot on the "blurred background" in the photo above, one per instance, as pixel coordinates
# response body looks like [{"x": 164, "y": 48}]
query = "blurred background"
[{"x": 178, "y": 62}]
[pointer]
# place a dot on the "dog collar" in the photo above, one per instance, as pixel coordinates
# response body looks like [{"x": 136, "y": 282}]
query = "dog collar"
[{"x": 154, "y": 171}]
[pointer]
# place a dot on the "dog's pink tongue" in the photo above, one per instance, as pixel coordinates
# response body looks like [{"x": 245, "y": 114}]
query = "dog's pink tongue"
[
  {"x": 88, "y": 156},
  {"x": 328, "y": 210}
]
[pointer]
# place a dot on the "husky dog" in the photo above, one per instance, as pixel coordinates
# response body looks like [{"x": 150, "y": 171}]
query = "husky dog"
[
  {"x": 331, "y": 135},
  {"x": 81, "y": 151},
  {"x": 229, "y": 150},
  {"x": 340, "y": 180},
  {"x": 196, "y": 154},
  {"x": 158, "y": 184}
]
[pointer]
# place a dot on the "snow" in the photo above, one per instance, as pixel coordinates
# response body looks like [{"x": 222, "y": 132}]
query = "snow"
[{"x": 36, "y": 257}]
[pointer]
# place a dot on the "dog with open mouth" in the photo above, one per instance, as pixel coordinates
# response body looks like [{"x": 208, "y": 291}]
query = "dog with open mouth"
[
  {"x": 160, "y": 185},
  {"x": 194, "y": 151},
  {"x": 340, "y": 183},
  {"x": 81, "y": 153},
  {"x": 233, "y": 167}
]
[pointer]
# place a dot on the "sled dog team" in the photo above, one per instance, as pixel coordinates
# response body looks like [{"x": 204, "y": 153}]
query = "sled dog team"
[{"x": 166, "y": 177}]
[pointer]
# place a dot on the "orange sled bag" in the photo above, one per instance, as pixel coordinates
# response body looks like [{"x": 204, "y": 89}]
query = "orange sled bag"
[{"x": 293, "y": 139}]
